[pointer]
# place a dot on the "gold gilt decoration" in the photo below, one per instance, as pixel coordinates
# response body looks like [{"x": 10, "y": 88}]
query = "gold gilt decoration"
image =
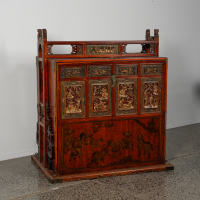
[
  {"x": 147, "y": 69},
  {"x": 95, "y": 71},
  {"x": 100, "y": 97},
  {"x": 126, "y": 96},
  {"x": 102, "y": 49},
  {"x": 123, "y": 70},
  {"x": 72, "y": 72},
  {"x": 73, "y": 94},
  {"x": 151, "y": 95}
]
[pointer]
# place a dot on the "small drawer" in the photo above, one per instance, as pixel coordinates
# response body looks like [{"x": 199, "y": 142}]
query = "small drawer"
[
  {"x": 98, "y": 71},
  {"x": 126, "y": 70},
  {"x": 73, "y": 72},
  {"x": 151, "y": 69}
]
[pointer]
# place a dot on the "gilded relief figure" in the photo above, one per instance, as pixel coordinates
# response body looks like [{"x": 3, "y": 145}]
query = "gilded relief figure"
[
  {"x": 102, "y": 49},
  {"x": 100, "y": 98},
  {"x": 126, "y": 96},
  {"x": 151, "y": 97},
  {"x": 73, "y": 99}
]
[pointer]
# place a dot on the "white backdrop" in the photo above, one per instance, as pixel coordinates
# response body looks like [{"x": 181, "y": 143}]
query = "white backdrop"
[{"x": 177, "y": 20}]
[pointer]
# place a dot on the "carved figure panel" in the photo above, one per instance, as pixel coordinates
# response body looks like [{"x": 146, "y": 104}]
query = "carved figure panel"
[
  {"x": 151, "y": 95},
  {"x": 88, "y": 145},
  {"x": 72, "y": 72},
  {"x": 126, "y": 96},
  {"x": 124, "y": 70},
  {"x": 102, "y": 49},
  {"x": 73, "y": 104},
  {"x": 148, "y": 69},
  {"x": 95, "y": 71},
  {"x": 100, "y": 98}
]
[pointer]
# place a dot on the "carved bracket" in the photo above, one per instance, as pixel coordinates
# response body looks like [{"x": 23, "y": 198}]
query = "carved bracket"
[
  {"x": 124, "y": 48},
  {"x": 49, "y": 49},
  {"x": 77, "y": 49}
]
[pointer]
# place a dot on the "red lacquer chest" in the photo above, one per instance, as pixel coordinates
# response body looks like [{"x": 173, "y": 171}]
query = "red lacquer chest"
[{"x": 101, "y": 110}]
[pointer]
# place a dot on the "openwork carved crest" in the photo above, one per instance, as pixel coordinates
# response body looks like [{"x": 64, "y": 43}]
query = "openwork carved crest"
[
  {"x": 49, "y": 49},
  {"x": 124, "y": 48}
]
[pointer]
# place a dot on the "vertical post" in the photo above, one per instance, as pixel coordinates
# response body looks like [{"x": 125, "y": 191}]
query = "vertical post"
[{"x": 156, "y": 38}]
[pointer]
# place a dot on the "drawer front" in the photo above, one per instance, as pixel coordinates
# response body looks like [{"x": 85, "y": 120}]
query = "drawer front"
[
  {"x": 151, "y": 69},
  {"x": 99, "y": 71},
  {"x": 126, "y": 70},
  {"x": 72, "y": 72},
  {"x": 151, "y": 95}
]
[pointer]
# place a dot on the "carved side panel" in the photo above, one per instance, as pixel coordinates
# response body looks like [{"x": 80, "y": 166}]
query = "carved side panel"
[
  {"x": 72, "y": 72},
  {"x": 102, "y": 49},
  {"x": 126, "y": 96},
  {"x": 100, "y": 144},
  {"x": 151, "y": 95},
  {"x": 100, "y": 98},
  {"x": 73, "y": 99},
  {"x": 125, "y": 70},
  {"x": 96, "y": 71},
  {"x": 148, "y": 69}
]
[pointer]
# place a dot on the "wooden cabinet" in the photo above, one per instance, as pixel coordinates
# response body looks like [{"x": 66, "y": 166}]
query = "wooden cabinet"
[{"x": 101, "y": 110}]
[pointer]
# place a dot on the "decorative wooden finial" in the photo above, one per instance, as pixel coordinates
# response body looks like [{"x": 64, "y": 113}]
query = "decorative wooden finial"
[
  {"x": 44, "y": 33},
  {"x": 156, "y": 31},
  {"x": 147, "y": 34}
]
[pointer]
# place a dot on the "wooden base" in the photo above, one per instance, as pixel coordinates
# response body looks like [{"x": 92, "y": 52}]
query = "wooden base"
[{"x": 100, "y": 174}]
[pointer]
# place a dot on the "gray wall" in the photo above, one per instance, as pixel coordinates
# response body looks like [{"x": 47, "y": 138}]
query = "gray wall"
[{"x": 178, "y": 21}]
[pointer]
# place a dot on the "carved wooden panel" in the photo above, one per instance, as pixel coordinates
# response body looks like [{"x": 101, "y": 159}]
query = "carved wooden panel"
[
  {"x": 100, "y": 98},
  {"x": 73, "y": 99},
  {"x": 95, "y": 71},
  {"x": 151, "y": 94},
  {"x": 124, "y": 70},
  {"x": 102, "y": 49},
  {"x": 126, "y": 96},
  {"x": 72, "y": 72},
  {"x": 149, "y": 69},
  {"x": 99, "y": 144}
]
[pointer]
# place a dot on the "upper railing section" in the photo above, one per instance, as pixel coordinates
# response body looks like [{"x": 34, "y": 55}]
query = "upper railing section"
[{"x": 89, "y": 49}]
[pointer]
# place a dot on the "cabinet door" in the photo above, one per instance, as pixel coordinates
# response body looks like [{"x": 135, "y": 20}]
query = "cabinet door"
[{"x": 126, "y": 96}]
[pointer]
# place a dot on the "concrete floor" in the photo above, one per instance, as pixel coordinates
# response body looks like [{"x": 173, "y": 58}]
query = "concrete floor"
[{"x": 19, "y": 179}]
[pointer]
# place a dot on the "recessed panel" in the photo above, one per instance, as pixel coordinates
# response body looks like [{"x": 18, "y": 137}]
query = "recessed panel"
[
  {"x": 151, "y": 95},
  {"x": 72, "y": 72},
  {"x": 151, "y": 69},
  {"x": 102, "y": 49},
  {"x": 126, "y": 96},
  {"x": 73, "y": 94},
  {"x": 100, "y": 98}
]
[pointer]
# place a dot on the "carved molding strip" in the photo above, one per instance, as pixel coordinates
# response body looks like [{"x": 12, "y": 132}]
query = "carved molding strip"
[
  {"x": 149, "y": 69},
  {"x": 72, "y": 72},
  {"x": 95, "y": 71},
  {"x": 73, "y": 99},
  {"x": 126, "y": 96},
  {"x": 124, "y": 70},
  {"x": 102, "y": 49}
]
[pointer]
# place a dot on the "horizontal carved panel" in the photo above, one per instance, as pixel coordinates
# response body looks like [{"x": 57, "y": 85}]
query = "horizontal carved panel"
[
  {"x": 148, "y": 69},
  {"x": 102, "y": 49},
  {"x": 72, "y": 72},
  {"x": 73, "y": 99},
  {"x": 151, "y": 95},
  {"x": 100, "y": 98},
  {"x": 126, "y": 96},
  {"x": 95, "y": 71},
  {"x": 124, "y": 70}
]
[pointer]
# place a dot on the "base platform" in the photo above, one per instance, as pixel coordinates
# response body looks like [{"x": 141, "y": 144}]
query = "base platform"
[{"x": 100, "y": 174}]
